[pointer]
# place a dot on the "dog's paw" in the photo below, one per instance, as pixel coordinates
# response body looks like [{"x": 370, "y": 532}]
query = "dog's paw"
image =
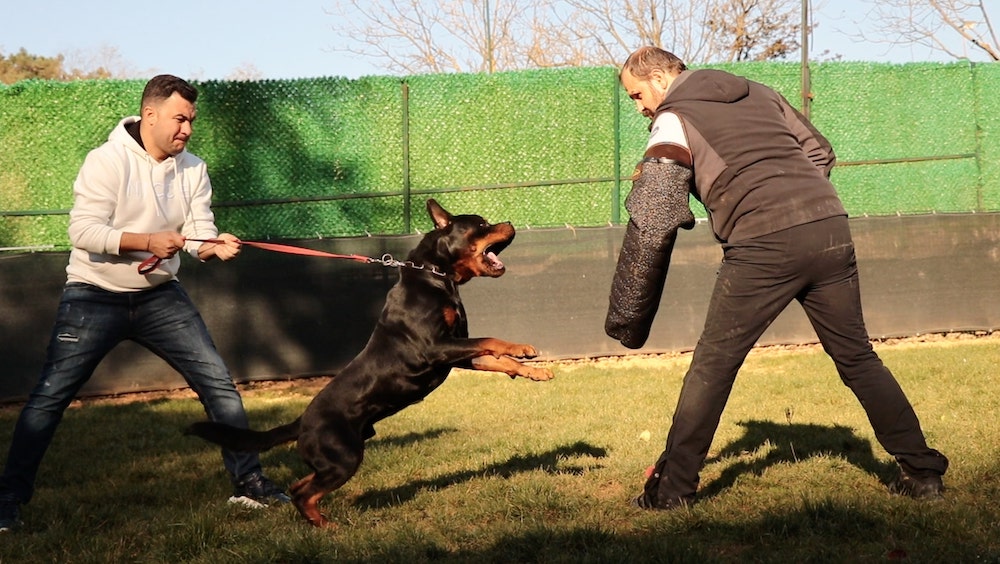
[
  {"x": 522, "y": 351},
  {"x": 537, "y": 374}
]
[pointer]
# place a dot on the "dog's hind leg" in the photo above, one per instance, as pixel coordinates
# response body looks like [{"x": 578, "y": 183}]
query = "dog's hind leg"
[
  {"x": 333, "y": 462},
  {"x": 306, "y": 500},
  {"x": 307, "y": 492}
]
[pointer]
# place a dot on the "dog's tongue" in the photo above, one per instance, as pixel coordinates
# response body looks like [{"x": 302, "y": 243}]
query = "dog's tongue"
[{"x": 492, "y": 257}]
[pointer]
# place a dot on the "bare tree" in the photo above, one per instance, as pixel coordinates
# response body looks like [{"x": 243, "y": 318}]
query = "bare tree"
[
  {"x": 936, "y": 24},
  {"x": 106, "y": 59},
  {"x": 414, "y": 36},
  {"x": 604, "y": 32},
  {"x": 246, "y": 72},
  {"x": 755, "y": 30},
  {"x": 705, "y": 31}
]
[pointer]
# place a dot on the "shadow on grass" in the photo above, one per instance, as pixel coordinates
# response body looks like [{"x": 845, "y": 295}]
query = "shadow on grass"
[
  {"x": 816, "y": 532},
  {"x": 793, "y": 442},
  {"x": 126, "y": 470},
  {"x": 407, "y": 439},
  {"x": 552, "y": 461},
  {"x": 548, "y": 461}
]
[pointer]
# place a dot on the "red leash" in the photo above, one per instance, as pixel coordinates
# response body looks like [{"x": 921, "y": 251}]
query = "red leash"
[{"x": 154, "y": 261}]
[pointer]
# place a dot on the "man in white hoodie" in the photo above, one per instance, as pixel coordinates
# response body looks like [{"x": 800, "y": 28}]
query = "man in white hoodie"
[{"x": 138, "y": 196}]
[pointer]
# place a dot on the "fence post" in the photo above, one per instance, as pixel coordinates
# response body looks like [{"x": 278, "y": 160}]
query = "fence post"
[
  {"x": 977, "y": 116},
  {"x": 407, "y": 228},
  {"x": 806, "y": 85},
  {"x": 616, "y": 191}
]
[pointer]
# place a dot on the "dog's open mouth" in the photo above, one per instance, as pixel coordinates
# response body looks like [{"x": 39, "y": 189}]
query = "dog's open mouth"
[{"x": 490, "y": 255}]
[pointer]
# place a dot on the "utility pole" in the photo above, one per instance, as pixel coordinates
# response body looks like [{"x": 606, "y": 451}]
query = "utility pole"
[
  {"x": 806, "y": 81},
  {"x": 490, "y": 63}
]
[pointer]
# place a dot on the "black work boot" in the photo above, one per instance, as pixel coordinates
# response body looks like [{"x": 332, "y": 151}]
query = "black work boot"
[
  {"x": 653, "y": 498},
  {"x": 918, "y": 487}
]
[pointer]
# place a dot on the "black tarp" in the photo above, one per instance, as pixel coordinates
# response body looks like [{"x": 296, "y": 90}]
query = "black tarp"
[{"x": 277, "y": 316}]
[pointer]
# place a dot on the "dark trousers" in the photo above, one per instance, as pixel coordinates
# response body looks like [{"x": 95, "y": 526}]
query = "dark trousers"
[
  {"x": 89, "y": 323},
  {"x": 815, "y": 265}
]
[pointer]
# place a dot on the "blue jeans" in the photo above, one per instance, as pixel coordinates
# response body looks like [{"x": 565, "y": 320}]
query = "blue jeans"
[
  {"x": 89, "y": 323},
  {"x": 815, "y": 265}
]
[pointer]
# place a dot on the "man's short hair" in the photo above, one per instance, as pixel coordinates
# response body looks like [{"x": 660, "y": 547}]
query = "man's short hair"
[
  {"x": 644, "y": 60},
  {"x": 163, "y": 86}
]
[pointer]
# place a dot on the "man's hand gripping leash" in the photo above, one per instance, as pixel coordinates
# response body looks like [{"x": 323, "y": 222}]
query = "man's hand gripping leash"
[{"x": 153, "y": 262}]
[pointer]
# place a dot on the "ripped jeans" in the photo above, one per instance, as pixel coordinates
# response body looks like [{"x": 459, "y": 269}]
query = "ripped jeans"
[{"x": 89, "y": 323}]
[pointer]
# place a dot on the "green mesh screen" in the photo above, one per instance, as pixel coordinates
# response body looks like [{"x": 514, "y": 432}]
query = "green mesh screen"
[
  {"x": 303, "y": 158},
  {"x": 531, "y": 147},
  {"x": 921, "y": 116},
  {"x": 46, "y": 130},
  {"x": 986, "y": 85},
  {"x": 332, "y": 157}
]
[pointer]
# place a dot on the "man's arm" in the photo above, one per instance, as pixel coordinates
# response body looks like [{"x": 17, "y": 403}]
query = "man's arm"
[
  {"x": 95, "y": 200},
  {"x": 95, "y": 203},
  {"x": 200, "y": 223},
  {"x": 816, "y": 146}
]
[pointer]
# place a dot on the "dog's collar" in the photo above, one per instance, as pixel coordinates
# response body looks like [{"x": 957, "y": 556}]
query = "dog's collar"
[{"x": 387, "y": 260}]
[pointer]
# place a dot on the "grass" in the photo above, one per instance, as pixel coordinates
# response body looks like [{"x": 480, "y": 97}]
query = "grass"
[{"x": 492, "y": 470}]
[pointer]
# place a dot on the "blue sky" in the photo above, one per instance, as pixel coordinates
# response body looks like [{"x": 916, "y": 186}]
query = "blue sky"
[{"x": 212, "y": 39}]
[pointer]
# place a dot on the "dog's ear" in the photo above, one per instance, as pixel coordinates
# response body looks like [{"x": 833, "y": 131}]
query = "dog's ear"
[{"x": 439, "y": 215}]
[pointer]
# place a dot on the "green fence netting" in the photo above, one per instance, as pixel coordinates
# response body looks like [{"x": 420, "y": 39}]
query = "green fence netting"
[{"x": 333, "y": 157}]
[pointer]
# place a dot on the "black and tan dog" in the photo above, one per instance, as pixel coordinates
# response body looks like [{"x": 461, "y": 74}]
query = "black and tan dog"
[{"x": 421, "y": 334}]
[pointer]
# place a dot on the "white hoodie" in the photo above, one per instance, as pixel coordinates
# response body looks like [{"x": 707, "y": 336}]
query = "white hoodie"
[{"x": 122, "y": 188}]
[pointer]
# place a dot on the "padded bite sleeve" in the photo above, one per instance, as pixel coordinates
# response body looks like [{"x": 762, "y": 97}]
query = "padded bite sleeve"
[{"x": 658, "y": 206}]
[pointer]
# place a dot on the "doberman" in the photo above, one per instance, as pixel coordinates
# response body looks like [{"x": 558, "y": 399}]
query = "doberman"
[{"x": 420, "y": 335}]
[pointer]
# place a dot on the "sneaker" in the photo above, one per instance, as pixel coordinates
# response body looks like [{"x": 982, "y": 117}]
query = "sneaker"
[
  {"x": 10, "y": 516},
  {"x": 256, "y": 491},
  {"x": 918, "y": 487}
]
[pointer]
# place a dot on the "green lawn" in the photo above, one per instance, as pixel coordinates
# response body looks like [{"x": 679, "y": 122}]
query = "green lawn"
[{"x": 493, "y": 470}]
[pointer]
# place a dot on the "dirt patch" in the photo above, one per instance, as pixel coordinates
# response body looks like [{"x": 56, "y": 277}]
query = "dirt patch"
[{"x": 310, "y": 385}]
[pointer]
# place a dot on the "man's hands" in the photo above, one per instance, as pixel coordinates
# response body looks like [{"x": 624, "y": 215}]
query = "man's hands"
[
  {"x": 223, "y": 251},
  {"x": 163, "y": 244},
  {"x": 166, "y": 244}
]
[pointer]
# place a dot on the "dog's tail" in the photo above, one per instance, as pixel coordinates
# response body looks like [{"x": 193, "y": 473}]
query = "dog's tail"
[{"x": 244, "y": 440}]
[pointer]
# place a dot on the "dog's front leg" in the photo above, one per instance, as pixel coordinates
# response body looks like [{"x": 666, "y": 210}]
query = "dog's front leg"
[
  {"x": 499, "y": 347},
  {"x": 492, "y": 355},
  {"x": 511, "y": 367}
]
